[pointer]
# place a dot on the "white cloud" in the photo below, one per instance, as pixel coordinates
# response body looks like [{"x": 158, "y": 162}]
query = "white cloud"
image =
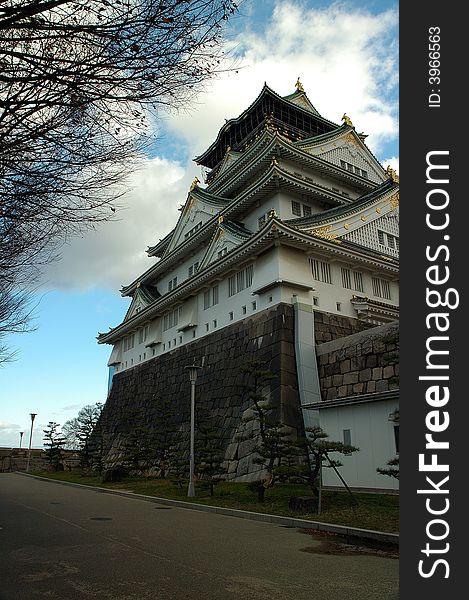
[
  {"x": 393, "y": 162},
  {"x": 114, "y": 254},
  {"x": 347, "y": 61}
]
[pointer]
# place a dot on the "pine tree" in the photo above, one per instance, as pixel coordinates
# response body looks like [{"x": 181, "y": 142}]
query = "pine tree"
[
  {"x": 209, "y": 453},
  {"x": 53, "y": 444},
  {"x": 273, "y": 448}
]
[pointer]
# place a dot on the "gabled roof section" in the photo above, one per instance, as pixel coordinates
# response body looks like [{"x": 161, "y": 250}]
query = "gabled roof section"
[
  {"x": 228, "y": 236},
  {"x": 199, "y": 208},
  {"x": 300, "y": 98},
  {"x": 143, "y": 296},
  {"x": 159, "y": 249},
  {"x": 299, "y": 117},
  {"x": 340, "y": 211},
  {"x": 345, "y": 146},
  {"x": 342, "y": 221}
]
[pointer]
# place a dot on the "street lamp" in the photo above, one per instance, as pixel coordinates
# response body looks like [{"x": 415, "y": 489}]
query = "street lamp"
[
  {"x": 33, "y": 416},
  {"x": 193, "y": 378},
  {"x": 21, "y": 437}
]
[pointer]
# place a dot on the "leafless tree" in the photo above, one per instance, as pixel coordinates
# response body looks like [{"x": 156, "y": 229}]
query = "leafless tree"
[{"x": 81, "y": 84}]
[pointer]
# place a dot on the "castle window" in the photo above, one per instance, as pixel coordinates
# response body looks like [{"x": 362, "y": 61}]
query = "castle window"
[
  {"x": 296, "y": 208},
  {"x": 207, "y": 327},
  {"x": 381, "y": 288},
  {"x": 193, "y": 269},
  {"x": 364, "y": 174},
  {"x": 240, "y": 281},
  {"x": 315, "y": 301},
  {"x": 254, "y": 305},
  {"x": 347, "y": 437},
  {"x": 306, "y": 210},
  {"x": 172, "y": 283},
  {"x": 358, "y": 281},
  {"x": 215, "y": 323},
  {"x": 244, "y": 310},
  {"x": 346, "y": 279},
  {"x": 321, "y": 270},
  {"x": 211, "y": 297},
  {"x": 171, "y": 319},
  {"x": 129, "y": 342},
  {"x": 261, "y": 221},
  {"x": 338, "y": 306},
  {"x": 231, "y": 315},
  {"x": 191, "y": 232}
]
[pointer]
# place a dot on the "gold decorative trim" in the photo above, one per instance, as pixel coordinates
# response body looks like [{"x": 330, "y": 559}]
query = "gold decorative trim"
[
  {"x": 363, "y": 218},
  {"x": 323, "y": 232},
  {"x": 299, "y": 85},
  {"x": 394, "y": 200},
  {"x": 346, "y": 226},
  {"x": 194, "y": 184},
  {"x": 220, "y": 219},
  {"x": 378, "y": 210},
  {"x": 347, "y": 120}
]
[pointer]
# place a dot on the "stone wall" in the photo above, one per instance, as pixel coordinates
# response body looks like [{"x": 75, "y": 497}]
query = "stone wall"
[
  {"x": 220, "y": 389},
  {"x": 362, "y": 363},
  {"x": 329, "y": 327}
]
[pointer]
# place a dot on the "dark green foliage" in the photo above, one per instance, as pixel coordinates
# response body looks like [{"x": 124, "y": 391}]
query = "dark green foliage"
[
  {"x": 209, "y": 454},
  {"x": 179, "y": 463},
  {"x": 393, "y": 468},
  {"x": 315, "y": 448},
  {"x": 138, "y": 450},
  {"x": 78, "y": 431},
  {"x": 165, "y": 431},
  {"x": 275, "y": 452},
  {"x": 54, "y": 442}
]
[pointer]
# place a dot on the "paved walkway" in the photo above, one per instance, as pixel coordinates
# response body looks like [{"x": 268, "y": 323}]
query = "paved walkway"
[{"x": 71, "y": 543}]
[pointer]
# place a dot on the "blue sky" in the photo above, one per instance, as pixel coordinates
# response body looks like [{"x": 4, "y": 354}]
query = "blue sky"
[{"x": 346, "y": 55}]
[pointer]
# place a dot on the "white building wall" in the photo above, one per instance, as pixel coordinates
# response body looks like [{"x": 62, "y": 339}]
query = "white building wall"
[{"x": 372, "y": 432}]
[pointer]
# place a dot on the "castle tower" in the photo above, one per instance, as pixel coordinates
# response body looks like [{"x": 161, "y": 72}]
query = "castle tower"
[{"x": 295, "y": 225}]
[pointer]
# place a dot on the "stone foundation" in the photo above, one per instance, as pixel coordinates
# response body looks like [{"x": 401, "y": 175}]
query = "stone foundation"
[{"x": 220, "y": 389}]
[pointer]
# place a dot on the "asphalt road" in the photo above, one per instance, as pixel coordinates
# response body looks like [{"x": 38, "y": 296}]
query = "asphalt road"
[{"x": 67, "y": 543}]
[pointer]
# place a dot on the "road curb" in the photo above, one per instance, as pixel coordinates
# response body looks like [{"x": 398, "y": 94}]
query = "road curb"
[{"x": 365, "y": 534}]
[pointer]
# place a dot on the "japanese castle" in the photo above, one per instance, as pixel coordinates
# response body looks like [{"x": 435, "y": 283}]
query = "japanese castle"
[{"x": 294, "y": 208}]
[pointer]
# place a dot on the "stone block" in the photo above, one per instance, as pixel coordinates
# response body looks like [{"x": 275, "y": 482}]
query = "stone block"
[
  {"x": 358, "y": 388},
  {"x": 350, "y": 378},
  {"x": 337, "y": 380},
  {"x": 365, "y": 375},
  {"x": 377, "y": 373},
  {"x": 382, "y": 386},
  {"x": 345, "y": 366},
  {"x": 358, "y": 363},
  {"x": 342, "y": 391},
  {"x": 388, "y": 372},
  {"x": 371, "y": 361},
  {"x": 371, "y": 387}
]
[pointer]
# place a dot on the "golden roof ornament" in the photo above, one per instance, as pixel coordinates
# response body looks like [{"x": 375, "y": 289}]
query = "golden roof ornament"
[
  {"x": 391, "y": 173},
  {"x": 220, "y": 219},
  {"x": 194, "y": 184},
  {"x": 299, "y": 85},
  {"x": 273, "y": 214},
  {"x": 347, "y": 120}
]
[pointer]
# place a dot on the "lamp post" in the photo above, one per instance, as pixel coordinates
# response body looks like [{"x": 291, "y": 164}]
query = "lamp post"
[
  {"x": 21, "y": 437},
  {"x": 33, "y": 416},
  {"x": 193, "y": 378}
]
